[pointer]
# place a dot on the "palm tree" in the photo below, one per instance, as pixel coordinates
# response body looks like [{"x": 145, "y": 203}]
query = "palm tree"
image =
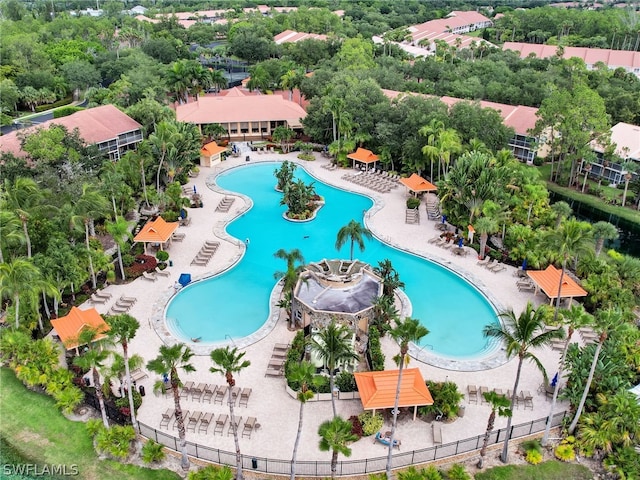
[
  {"x": 24, "y": 197},
  {"x": 519, "y": 335},
  {"x": 93, "y": 359},
  {"x": 562, "y": 210},
  {"x": 484, "y": 226},
  {"x": 570, "y": 240},
  {"x": 122, "y": 329},
  {"x": 603, "y": 231},
  {"x": 217, "y": 79},
  {"x": 575, "y": 317},
  {"x": 335, "y": 434},
  {"x": 430, "y": 150},
  {"x": 11, "y": 233},
  {"x": 405, "y": 331},
  {"x": 334, "y": 105},
  {"x": 302, "y": 374},
  {"x": 90, "y": 206},
  {"x": 290, "y": 276},
  {"x": 214, "y": 131},
  {"x": 390, "y": 277},
  {"x": 628, "y": 168},
  {"x": 19, "y": 278},
  {"x": 228, "y": 361},
  {"x": 170, "y": 359},
  {"x": 333, "y": 346},
  {"x": 354, "y": 232},
  {"x": 289, "y": 81},
  {"x": 499, "y": 404},
  {"x": 606, "y": 321},
  {"x": 119, "y": 230}
]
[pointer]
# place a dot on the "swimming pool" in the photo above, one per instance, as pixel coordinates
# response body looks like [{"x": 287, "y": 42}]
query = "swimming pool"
[{"x": 235, "y": 303}]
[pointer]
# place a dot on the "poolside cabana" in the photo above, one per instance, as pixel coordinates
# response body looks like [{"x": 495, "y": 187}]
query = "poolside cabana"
[
  {"x": 548, "y": 279},
  {"x": 378, "y": 389},
  {"x": 363, "y": 157},
  {"x": 211, "y": 154},
  {"x": 156, "y": 231},
  {"x": 416, "y": 184},
  {"x": 69, "y": 328}
]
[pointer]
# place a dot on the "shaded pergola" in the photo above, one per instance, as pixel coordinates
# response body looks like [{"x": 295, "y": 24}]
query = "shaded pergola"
[
  {"x": 156, "y": 231},
  {"x": 364, "y": 157},
  {"x": 548, "y": 280},
  {"x": 416, "y": 184},
  {"x": 70, "y": 327},
  {"x": 378, "y": 389}
]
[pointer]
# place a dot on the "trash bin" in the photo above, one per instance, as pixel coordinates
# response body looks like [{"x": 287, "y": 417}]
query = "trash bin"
[
  {"x": 461, "y": 410},
  {"x": 171, "y": 263},
  {"x": 247, "y": 158},
  {"x": 254, "y": 463},
  {"x": 141, "y": 390}
]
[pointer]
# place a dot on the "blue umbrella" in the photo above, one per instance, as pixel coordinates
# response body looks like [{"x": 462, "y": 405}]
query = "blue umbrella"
[
  {"x": 194, "y": 189},
  {"x": 460, "y": 242},
  {"x": 444, "y": 218},
  {"x": 554, "y": 380},
  {"x": 524, "y": 264}
]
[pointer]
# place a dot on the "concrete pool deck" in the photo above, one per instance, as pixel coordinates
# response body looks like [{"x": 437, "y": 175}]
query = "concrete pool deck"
[{"x": 275, "y": 410}]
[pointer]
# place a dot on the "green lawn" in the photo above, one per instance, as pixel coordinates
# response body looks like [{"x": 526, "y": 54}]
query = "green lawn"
[
  {"x": 545, "y": 471},
  {"x": 39, "y": 433}
]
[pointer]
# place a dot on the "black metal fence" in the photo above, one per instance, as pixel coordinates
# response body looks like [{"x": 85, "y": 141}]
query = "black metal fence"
[
  {"x": 113, "y": 412},
  {"x": 352, "y": 467}
]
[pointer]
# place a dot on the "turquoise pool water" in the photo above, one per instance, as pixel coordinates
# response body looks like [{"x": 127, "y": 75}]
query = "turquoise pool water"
[{"x": 235, "y": 303}]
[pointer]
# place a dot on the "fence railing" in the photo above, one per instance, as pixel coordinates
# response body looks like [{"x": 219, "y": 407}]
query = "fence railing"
[{"x": 351, "y": 467}]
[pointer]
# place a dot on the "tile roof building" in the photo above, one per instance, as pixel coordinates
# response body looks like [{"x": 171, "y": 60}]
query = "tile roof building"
[
  {"x": 519, "y": 117},
  {"x": 626, "y": 59},
  {"x": 289, "y": 36},
  {"x": 245, "y": 117},
  {"x": 107, "y": 127},
  {"x": 626, "y": 138}
]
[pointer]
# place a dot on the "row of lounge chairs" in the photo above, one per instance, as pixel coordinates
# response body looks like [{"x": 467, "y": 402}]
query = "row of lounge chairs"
[
  {"x": 205, "y": 392},
  {"x": 330, "y": 166},
  {"x": 153, "y": 276},
  {"x": 197, "y": 421},
  {"x": 374, "y": 181},
  {"x": 122, "y": 305},
  {"x": 526, "y": 285},
  {"x": 225, "y": 204},
  {"x": 442, "y": 242},
  {"x": 476, "y": 395},
  {"x": 206, "y": 252},
  {"x": 262, "y": 150},
  {"x": 178, "y": 236},
  {"x": 493, "y": 265},
  {"x": 275, "y": 368}
]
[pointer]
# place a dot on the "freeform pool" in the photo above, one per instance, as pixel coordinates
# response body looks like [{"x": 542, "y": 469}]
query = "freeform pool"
[{"x": 235, "y": 304}]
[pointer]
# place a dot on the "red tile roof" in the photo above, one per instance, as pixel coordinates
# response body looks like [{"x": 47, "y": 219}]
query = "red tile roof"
[
  {"x": 212, "y": 149},
  {"x": 416, "y": 183},
  {"x": 289, "y": 36},
  {"x": 226, "y": 109},
  {"x": 455, "y": 19},
  {"x": 69, "y": 328},
  {"x": 549, "y": 279},
  {"x": 612, "y": 58},
  {"x": 363, "y": 155},
  {"x": 156, "y": 231},
  {"x": 96, "y": 125},
  {"x": 378, "y": 389}
]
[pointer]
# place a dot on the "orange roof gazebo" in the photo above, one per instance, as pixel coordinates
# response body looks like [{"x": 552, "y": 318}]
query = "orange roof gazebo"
[
  {"x": 548, "y": 280},
  {"x": 156, "y": 231},
  {"x": 69, "y": 328},
  {"x": 363, "y": 155},
  {"x": 378, "y": 389},
  {"x": 416, "y": 184}
]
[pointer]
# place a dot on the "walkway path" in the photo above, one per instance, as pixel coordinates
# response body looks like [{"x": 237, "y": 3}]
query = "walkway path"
[{"x": 275, "y": 410}]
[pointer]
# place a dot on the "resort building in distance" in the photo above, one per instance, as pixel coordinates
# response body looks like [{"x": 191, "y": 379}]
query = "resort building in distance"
[
  {"x": 245, "y": 117},
  {"x": 107, "y": 127}
]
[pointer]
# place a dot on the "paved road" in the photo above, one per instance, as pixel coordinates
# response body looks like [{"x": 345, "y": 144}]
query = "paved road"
[{"x": 34, "y": 119}]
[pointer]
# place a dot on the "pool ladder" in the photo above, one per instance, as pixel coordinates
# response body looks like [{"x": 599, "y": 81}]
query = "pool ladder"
[{"x": 226, "y": 335}]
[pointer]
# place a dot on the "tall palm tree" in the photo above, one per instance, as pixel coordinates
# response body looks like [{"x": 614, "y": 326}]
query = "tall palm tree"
[
  {"x": 335, "y": 434},
  {"x": 430, "y": 150},
  {"x": 484, "y": 226},
  {"x": 290, "y": 276},
  {"x": 562, "y": 210},
  {"x": 390, "y": 277},
  {"x": 19, "y": 278},
  {"x": 11, "y": 234},
  {"x": 603, "y": 231},
  {"x": 170, "y": 359},
  {"x": 91, "y": 205},
  {"x": 122, "y": 329},
  {"x": 93, "y": 358},
  {"x": 569, "y": 241},
  {"x": 405, "y": 331},
  {"x": 500, "y": 405},
  {"x": 335, "y": 105},
  {"x": 519, "y": 335},
  {"x": 24, "y": 197},
  {"x": 628, "y": 168},
  {"x": 333, "y": 346},
  {"x": 354, "y": 232},
  {"x": 228, "y": 361},
  {"x": 573, "y": 318},
  {"x": 303, "y": 374},
  {"x": 119, "y": 230},
  {"x": 217, "y": 79},
  {"x": 606, "y": 321}
]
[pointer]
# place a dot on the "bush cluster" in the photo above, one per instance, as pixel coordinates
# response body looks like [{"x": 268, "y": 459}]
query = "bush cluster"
[
  {"x": 115, "y": 441},
  {"x": 356, "y": 426},
  {"x": 370, "y": 423},
  {"x": 152, "y": 452},
  {"x": 376, "y": 357},
  {"x": 142, "y": 263}
]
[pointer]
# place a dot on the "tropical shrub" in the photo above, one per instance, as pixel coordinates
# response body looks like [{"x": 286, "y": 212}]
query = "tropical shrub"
[
  {"x": 376, "y": 357},
  {"x": 307, "y": 157},
  {"x": 566, "y": 451},
  {"x": 413, "y": 202},
  {"x": 143, "y": 263},
  {"x": 152, "y": 452},
  {"x": 162, "y": 255},
  {"x": 356, "y": 426},
  {"x": 458, "y": 472},
  {"x": 446, "y": 399},
  {"x": 410, "y": 473},
  {"x": 370, "y": 423},
  {"x": 532, "y": 451},
  {"x": 212, "y": 472},
  {"x": 345, "y": 381},
  {"x": 124, "y": 401},
  {"x": 115, "y": 441},
  {"x": 321, "y": 384},
  {"x": 533, "y": 457},
  {"x": 432, "y": 473},
  {"x": 68, "y": 398}
]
